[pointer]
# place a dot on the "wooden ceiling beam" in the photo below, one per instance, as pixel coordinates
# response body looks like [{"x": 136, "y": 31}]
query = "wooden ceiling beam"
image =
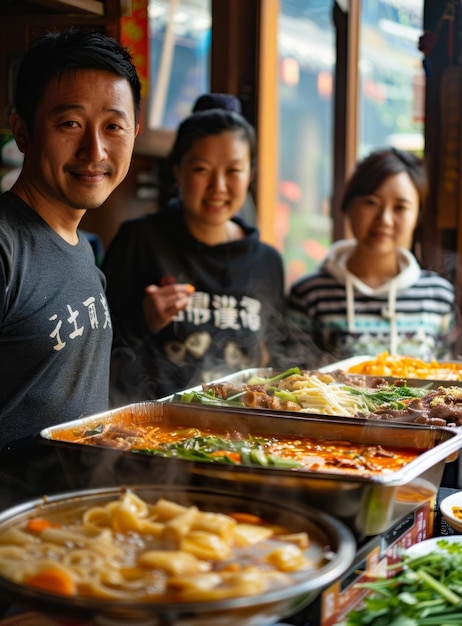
[{"x": 93, "y": 7}]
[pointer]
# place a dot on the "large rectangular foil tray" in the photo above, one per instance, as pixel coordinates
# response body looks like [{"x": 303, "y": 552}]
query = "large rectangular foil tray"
[{"x": 368, "y": 505}]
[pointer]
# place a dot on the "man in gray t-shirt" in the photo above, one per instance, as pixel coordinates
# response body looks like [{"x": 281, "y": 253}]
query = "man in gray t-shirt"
[{"x": 75, "y": 120}]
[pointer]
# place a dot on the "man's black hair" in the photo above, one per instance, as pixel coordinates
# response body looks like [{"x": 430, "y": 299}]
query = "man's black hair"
[{"x": 57, "y": 53}]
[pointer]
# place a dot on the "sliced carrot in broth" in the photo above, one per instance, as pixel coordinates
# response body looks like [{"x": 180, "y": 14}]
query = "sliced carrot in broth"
[
  {"x": 39, "y": 524},
  {"x": 232, "y": 456},
  {"x": 53, "y": 581},
  {"x": 246, "y": 518}
]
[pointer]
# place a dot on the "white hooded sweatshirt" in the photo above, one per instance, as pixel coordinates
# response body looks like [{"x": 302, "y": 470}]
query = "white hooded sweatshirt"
[
  {"x": 413, "y": 313},
  {"x": 336, "y": 265}
]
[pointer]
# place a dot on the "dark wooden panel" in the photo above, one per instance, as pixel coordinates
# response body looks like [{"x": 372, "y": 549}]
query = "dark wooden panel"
[{"x": 47, "y": 7}]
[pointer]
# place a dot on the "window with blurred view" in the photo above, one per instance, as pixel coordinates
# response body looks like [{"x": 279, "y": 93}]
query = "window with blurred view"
[
  {"x": 179, "y": 47},
  {"x": 391, "y": 76},
  {"x": 391, "y": 86},
  {"x": 306, "y": 67}
]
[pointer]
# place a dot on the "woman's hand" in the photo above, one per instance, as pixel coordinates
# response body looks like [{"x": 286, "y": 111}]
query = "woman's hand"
[{"x": 161, "y": 304}]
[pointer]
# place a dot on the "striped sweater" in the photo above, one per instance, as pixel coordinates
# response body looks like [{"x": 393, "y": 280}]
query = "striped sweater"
[{"x": 413, "y": 314}]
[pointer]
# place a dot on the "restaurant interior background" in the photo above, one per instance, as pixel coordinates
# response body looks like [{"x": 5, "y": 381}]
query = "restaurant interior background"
[{"x": 324, "y": 82}]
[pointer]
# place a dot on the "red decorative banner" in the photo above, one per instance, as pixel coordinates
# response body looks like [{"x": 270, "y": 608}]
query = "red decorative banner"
[{"x": 135, "y": 35}]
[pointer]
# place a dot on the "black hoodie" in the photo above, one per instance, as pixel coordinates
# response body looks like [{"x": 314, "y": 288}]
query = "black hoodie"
[{"x": 236, "y": 309}]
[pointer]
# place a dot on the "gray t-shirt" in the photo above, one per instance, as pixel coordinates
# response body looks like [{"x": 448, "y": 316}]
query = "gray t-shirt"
[{"x": 55, "y": 327}]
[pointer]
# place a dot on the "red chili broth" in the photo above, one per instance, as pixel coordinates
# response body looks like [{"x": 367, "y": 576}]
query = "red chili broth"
[{"x": 312, "y": 454}]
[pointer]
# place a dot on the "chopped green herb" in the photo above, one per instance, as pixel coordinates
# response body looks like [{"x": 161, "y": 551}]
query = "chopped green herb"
[
  {"x": 259, "y": 380},
  {"x": 395, "y": 396},
  {"x": 427, "y": 591},
  {"x": 220, "y": 450},
  {"x": 92, "y": 432}
]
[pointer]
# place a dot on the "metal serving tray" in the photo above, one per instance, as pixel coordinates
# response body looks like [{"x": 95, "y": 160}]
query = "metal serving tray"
[
  {"x": 242, "y": 377},
  {"x": 346, "y": 364},
  {"x": 430, "y": 383},
  {"x": 368, "y": 505}
]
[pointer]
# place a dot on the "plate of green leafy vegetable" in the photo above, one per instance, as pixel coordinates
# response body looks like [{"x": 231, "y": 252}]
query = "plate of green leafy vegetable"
[{"x": 423, "y": 589}]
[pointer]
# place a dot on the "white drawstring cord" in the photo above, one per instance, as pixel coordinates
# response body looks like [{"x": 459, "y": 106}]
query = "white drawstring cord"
[
  {"x": 391, "y": 315},
  {"x": 350, "y": 300}
]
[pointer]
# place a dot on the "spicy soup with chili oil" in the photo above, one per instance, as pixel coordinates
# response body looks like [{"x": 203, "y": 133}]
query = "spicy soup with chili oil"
[{"x": 234, "y": 448}]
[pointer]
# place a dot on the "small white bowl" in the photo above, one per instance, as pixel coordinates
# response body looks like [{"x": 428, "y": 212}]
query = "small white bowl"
[{"x": 447, "y": 511}]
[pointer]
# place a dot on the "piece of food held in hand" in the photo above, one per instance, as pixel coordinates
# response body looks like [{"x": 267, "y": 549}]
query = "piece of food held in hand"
[
  {"x": 336, "y": 393},
  {"x": 128, "y": 549}
]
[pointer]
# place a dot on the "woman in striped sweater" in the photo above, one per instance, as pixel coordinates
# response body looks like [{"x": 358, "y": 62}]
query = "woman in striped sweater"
[{"x": 370, "y": 295}]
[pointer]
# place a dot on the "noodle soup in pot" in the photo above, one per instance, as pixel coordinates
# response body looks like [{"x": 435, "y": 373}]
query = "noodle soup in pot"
[{"x": 150, "y": 550}]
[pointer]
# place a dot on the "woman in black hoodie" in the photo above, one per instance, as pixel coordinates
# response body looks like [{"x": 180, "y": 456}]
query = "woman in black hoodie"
[{"x": 194, "y": 294}]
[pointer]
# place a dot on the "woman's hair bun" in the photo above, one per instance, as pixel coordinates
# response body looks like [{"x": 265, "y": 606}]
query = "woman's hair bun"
[{"x": 217, "y": 101}]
